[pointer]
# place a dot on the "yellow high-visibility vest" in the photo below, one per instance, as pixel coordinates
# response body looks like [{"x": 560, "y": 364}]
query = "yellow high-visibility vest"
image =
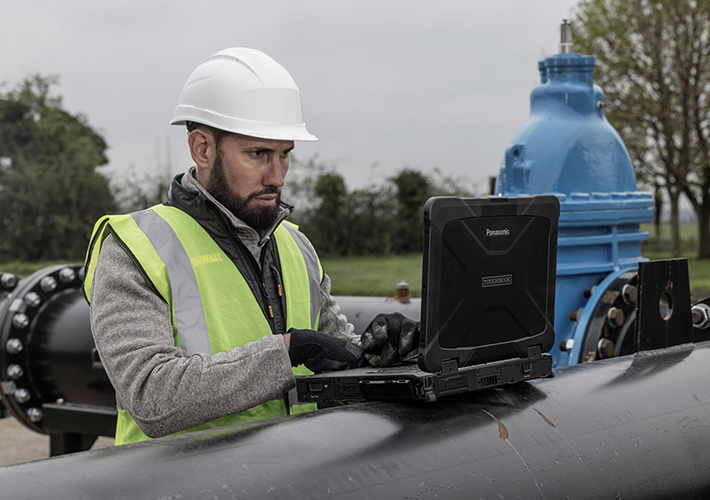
[{"x": 213, "y": 309}]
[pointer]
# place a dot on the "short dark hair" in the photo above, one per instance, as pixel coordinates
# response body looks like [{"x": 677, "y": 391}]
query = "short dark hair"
[{"x": 217, "y": 134}]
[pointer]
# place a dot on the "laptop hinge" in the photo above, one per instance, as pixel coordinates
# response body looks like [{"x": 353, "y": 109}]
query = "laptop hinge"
[
  {"x": 534, "y": 352},
  {"x": 449, "y": 365}
]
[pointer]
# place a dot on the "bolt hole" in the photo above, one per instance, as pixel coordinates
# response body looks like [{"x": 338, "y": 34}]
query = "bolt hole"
[{"x": 665, "y": 305}]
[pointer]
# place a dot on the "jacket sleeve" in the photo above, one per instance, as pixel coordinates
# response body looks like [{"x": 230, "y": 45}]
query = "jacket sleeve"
[
  {"x": 163, "y": 390},
  {"x": 332, "y": 321}
]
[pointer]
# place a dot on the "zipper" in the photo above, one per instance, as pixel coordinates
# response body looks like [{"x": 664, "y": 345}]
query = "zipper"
[{"x": 280, "y": 290}]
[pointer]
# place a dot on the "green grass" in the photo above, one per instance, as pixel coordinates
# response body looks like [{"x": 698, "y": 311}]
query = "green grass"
[
  {"x": 698, "y": 270},
  {"x": 375, "y": 276},
  {"x": 379, "y": 276}
]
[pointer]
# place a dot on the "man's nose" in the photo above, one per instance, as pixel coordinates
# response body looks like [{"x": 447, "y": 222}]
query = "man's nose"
[{"x": 274, "y": 175}]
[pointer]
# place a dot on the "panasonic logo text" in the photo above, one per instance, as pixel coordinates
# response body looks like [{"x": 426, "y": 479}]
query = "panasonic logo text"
[
  {"x": 498, "y": 232},
  {"x": 505, "y": 279}
]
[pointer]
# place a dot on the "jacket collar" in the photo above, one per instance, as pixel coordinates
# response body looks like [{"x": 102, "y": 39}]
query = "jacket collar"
[{"x": 191, "y": 197}]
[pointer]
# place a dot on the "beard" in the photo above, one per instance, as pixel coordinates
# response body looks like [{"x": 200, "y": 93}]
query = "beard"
[{"x": 259, "y": 218}]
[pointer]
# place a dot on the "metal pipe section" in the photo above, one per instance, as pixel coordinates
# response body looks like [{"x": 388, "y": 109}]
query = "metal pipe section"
[{"x": 632, "y": 427}]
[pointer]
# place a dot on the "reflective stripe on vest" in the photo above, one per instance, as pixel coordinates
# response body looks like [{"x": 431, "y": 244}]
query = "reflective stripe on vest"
[{"x": 187, "y": 304}]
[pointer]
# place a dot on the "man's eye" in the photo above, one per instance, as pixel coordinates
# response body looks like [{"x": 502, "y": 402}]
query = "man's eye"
[
  {"x": 286, "y": 153},
  {"x": 257, "y": 153}
]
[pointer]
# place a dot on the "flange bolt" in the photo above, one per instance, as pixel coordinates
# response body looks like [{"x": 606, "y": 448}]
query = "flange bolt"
[
  {"x": 67, "y": 275},
  {"x": 21, "y": 395},
  {"x": 14, "y": 371},
  {"x": 20, "y": 321},
  {"x": 48, "y": 284},
  {"x": 34, "y": 414},
  {"x": 32, "y": 299},
  {"x": 8, "y": 281},
  {"x": 14, "y": 346}
]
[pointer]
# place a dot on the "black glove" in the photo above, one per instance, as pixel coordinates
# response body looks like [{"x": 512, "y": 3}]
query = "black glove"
[
  {"x": 321, "y": 352},
  {"x": 391, "y": 337}
]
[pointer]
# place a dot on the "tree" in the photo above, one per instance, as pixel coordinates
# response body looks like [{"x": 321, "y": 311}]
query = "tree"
[
  {"x": 653, "y": 63},
  {"x": 412, "y": 189},
  {"x": 50, "y": 192},
  {"x": 375, "y": 220},
  {"x": 329, "y": 217},
  {"x": 133, "y": 191}
]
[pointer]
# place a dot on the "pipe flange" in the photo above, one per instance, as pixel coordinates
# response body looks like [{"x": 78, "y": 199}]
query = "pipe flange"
[
  {"x": 19, "y": 313},
  {"x": 607, "y": 332}
]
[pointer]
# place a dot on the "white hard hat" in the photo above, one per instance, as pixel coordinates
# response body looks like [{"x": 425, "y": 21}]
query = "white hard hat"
[{"x": 246, "y": 92}]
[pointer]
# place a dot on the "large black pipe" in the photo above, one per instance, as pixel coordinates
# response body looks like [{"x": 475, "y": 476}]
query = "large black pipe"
[{"x": 630, "y": 427}]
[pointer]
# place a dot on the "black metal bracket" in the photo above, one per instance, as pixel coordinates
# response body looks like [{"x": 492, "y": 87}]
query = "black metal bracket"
[
  {"x": 663, "y": 317},
  {"x": 73, "y": 427}
]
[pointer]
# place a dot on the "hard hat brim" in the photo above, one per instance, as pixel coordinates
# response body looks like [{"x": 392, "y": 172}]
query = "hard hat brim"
[{"x": 261, "y": 130}]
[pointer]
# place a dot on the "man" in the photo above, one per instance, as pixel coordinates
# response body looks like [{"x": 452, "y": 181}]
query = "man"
[{"x": 203, "y": 309}]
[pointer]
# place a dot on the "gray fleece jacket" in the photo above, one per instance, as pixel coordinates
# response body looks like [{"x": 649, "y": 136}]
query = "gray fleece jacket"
[{"x": 163, "y": 390}]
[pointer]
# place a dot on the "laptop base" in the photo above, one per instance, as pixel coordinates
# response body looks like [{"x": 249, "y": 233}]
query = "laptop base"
[{"x": 409, "y": 382}]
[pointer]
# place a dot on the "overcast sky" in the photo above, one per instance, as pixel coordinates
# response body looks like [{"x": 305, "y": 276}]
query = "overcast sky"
[{"x": 384, "y": 84}]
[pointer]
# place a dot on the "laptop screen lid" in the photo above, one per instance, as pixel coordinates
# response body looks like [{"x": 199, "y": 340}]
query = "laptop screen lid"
[{"x": 488, "y": 282}]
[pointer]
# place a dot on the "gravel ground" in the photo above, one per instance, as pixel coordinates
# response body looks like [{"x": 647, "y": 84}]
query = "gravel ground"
[{"x": 19, "y": 444}]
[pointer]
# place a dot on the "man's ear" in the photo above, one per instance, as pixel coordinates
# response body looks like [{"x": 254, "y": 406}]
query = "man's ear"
[{"x": 202, "y": 150}]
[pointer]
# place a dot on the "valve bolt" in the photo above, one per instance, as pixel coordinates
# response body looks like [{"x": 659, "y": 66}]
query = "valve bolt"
[
  {"x": 566, "y": 345},
  {"x": 605, "y": 348},
  {"x": 629, "y": 293},
  {"x": 615, "y": 317},
  {"x": 576, "y": 315}
]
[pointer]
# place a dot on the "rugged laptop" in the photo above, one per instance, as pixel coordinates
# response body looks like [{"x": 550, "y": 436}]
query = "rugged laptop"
[{"x": 488, "y": 296}]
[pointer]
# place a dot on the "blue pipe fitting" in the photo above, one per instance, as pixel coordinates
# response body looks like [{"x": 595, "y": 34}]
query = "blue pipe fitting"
[{"x": 569, "y": 149}]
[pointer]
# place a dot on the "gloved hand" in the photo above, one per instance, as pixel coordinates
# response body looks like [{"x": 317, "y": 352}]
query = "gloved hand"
[
  {"x": 321, "y": 352},
  {"x": 391, "y": 337}
]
